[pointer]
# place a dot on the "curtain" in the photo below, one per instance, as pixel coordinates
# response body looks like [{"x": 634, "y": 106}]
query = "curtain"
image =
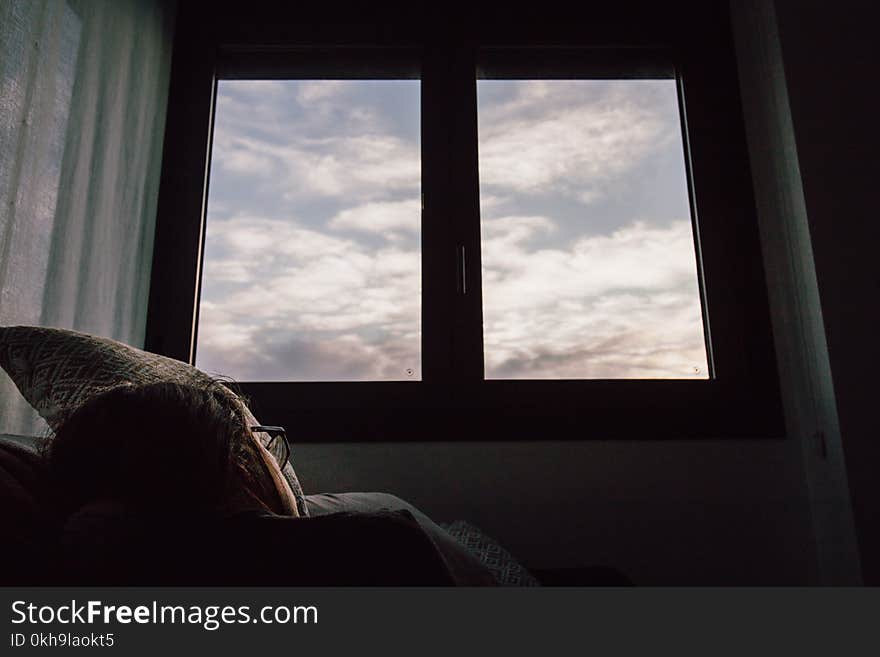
[{"x": 83, "y": 94}]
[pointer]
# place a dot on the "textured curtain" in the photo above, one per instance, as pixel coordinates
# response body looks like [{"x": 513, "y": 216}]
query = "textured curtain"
[{"x": 83, "y": 94}]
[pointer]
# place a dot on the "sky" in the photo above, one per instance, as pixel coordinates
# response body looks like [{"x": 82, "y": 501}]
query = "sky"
[{"x": 312, "y": 245}]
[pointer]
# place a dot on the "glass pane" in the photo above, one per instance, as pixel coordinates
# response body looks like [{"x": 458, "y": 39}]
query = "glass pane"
[
  {"x": 589, "y": 267},
  {"x": 312, "y": 265}
]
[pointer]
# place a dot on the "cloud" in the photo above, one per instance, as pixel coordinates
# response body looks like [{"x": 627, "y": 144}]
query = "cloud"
[
  {"x": 569, "y": 137},
  {"x": 384, "y": 218},
  {"x": 305, "y": 140},
  {"x": 361, "y": 168},
  {"x": 310, "y": 293},
  {"x": 241, "y": 158},
  {"x": 624, "y": 305},
  {"x": 248, "y": 106},
  {"x": 287, "y": 357},
  {"x": 617, "y": 306},
  {"x": 515, "y": 229},
  {"x": 309, "y": 92}
]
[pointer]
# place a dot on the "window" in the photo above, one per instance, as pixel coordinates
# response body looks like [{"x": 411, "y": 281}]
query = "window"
[
  {"x": 589, "y": 270},
  {"x": 566, "y": 249},
  {"x": 312, "y": 239}
]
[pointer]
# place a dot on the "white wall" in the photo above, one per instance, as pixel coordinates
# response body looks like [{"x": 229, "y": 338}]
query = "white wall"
[
  {"x": 801, "y": 346},
  {"x": 713, "y": 512},
  {"x": 831, "y": 52}
]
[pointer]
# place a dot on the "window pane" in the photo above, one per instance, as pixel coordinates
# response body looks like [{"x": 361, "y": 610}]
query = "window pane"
[
  {"x": 312, "y": 265},
  {"x": 589, "y": 267}
]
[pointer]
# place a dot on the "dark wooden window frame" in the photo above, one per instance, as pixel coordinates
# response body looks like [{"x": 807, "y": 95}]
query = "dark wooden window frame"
[{"x": 453, "y": 401}]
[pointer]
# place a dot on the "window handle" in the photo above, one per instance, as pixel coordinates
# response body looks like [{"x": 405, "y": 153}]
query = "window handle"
[{"x": 460, "y": 270}]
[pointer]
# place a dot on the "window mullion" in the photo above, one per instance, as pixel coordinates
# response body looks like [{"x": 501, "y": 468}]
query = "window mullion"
[
  {"x": 451, "y": 305},
  {"x": 436, "y": 235},
  {"x": 465, "y": 217}
]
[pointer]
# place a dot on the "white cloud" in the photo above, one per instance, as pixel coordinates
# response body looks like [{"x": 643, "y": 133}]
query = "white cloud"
[
  {"x": 624, "y": 305},
  {"x": 616, "y": 306},
  {"x": 565, "y": 137},
  {"x": 309, "y": 92},
  {"x": 364, "y": 167},
  {"x": 515, "y": 229},
  {"x": 333, "y": 148},
  {"x": 575, "y": 149},
  {"x": 244, "y": 105},
  {"x": 384, "y": 218},
  {"x": 239, "y": 157},
  {"x": 255, "y": 237},
  {"x": 360, "y": 168},
  {"x": 325, "y": 294}
]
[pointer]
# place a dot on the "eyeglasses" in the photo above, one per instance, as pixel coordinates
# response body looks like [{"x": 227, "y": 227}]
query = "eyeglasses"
[{"x": 278, "y": 445}]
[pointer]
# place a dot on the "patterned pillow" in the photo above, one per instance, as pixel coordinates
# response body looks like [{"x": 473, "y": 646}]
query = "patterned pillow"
[{"x": 57, "y": 370}]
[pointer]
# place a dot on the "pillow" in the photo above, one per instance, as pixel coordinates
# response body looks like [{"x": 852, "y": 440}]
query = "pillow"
[{"x": 57, "y": 370}]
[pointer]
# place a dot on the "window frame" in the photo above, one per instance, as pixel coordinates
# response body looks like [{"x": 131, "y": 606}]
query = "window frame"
[{"x": 453, "y": 401}]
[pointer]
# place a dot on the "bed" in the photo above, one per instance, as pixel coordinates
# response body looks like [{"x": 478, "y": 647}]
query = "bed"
[{"x": 467, "y": 553}]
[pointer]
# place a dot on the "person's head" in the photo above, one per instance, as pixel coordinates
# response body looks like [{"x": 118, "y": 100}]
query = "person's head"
[{"x": 165, "y": 446}]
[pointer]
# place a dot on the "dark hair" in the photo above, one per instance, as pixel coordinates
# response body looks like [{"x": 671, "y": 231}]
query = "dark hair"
[{"x": 162, "y": 446}]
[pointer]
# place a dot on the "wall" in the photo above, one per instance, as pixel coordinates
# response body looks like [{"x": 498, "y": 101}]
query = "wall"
[
  {"x": 675, "y": 513},
  {"x": 831, "y": 54},
  {"x": 799, "y": 332}
]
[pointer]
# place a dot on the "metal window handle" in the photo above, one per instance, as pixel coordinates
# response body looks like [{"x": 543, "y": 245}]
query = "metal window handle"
[{"x": 461, "y": 271}]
